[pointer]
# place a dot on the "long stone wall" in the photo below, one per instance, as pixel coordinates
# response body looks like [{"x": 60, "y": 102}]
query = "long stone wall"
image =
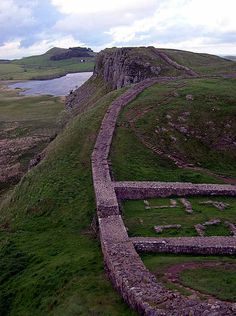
[
  {"x": 174, "y": 64},
  {"x": 131, "y": 278},
  {"x": 187, "y": 245},
  {"x": 134, "y": 190}
]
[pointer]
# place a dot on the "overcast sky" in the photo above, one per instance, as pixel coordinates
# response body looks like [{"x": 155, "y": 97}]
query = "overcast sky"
[{"x": 29, "y": 27}]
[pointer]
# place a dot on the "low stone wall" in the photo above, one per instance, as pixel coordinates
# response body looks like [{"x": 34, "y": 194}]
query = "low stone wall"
[
  {"x": 146, "y": 189},
  {"x": 187, "y": 245},
  {"x": 105, "y": 194},
  {"x": 137, "y": 285},
  {"x": 174, "y": 64}
]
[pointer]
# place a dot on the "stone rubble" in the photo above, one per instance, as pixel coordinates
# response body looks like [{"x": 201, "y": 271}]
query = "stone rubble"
[
  {"x": 173, "y": 203},
  {"x": 231, "y": 227},
  {"x": 219, "y": 205},
  {"x": 187, "y": 205},
  {"x": 160, "y": 229},
  {"x": 200, "y": 228}
]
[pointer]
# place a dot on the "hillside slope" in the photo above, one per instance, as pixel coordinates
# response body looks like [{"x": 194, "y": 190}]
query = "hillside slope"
[
  {"x": 54, "y": 63},
  {"x": 51, "y": 262},
  {"x": 179, "y": 131}
]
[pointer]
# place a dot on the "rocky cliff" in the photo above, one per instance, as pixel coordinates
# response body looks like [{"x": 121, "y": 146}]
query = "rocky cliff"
[{"x": 119, "y": 67}]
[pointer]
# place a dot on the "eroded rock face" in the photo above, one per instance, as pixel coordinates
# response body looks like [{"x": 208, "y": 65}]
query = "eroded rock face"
[{"x": 120, "y": 68}]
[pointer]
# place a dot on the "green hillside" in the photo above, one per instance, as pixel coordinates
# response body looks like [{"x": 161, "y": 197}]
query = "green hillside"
[
  {"x": 50, "y": 256},
  {"x": 202, "y": 63},
  {"x": 163, "y": 119},
  {"x": 51, "y": 262},
  {"x": 42, "y": 67},
  {"x": 27, "y": 125}
]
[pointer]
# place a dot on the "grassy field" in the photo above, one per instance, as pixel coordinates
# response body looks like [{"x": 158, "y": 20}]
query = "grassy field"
[
  {"x": 51, "y": 263},
  {"x": 218, "y": 282},
  {"x": 41, "y": 67},
  {"x": 220, "y": 285},
  {"x": 163, "y": 117},
  {"x": 141, "y": 221},
  {"x": 27, "y": 125}
]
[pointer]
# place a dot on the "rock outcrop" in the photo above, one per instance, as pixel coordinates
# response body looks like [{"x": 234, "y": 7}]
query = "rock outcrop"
[{"x": 120, "y": 67}]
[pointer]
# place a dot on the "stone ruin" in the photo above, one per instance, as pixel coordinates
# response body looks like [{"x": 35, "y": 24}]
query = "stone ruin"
[
  {"x": 139, "y": 288},
  {"x": 160, "y": 229}
]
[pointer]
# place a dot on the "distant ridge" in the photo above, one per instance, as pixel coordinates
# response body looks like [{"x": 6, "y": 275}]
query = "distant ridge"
[
  {"x": 233, "y": 58},
  {"x": 56, "y": 62}
]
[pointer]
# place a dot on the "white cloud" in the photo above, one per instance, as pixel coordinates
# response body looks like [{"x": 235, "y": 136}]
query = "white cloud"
[
  {"x": 97, "y": 6},
  {"x": 210, "y": 15},
  {"x": 13, "y": 49},
  {"x": 186, "y": 24},
  {"x": 16, "y": 13},
  {"x": 200, "y": 45}
]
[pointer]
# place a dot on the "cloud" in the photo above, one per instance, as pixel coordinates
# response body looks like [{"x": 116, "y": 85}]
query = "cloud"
[
  {"x": 25, "y": 19},
  {"x": 207, "y": 24},
  {"x": 178, "y": 23},
  {"x": 14, "y": 49},
  {"x": 82, "y": 7},
  {"x": 15, "y": 18}
]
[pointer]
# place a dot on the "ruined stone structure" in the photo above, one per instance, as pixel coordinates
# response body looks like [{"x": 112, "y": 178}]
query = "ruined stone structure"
[
  {"x": 131, "y": 278},
  {"x": 187, "y": 245}
]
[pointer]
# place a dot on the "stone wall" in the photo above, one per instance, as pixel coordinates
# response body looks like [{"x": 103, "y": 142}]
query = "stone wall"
[
  {"x": 105, "y": 194},
  {"x": 130, "y": 277},
  {"x": 147, "y": 189},
  {"x": 174, "y": 64},
  {"x": 187, "y": 245}
]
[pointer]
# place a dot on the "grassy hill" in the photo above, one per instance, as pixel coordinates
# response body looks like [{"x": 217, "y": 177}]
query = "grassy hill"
[
  {"x": 202, "y": 63},
  {"x": 51, "y": 263},
  {"x": 163, "y": 119},
  {"x": 50, "y": 257},
  {"x": 42, "y": 67}
]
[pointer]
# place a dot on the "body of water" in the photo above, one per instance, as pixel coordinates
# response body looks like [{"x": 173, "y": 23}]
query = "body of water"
[{"x": 58, "y": 87}]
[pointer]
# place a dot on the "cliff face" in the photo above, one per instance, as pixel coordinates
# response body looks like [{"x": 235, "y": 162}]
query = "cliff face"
[{"x": 119, "y": 67}]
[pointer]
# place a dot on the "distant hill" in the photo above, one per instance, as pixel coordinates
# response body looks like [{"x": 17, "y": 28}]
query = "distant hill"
[
  {"x": 55, "y": 62},
  {"x": 4, "y": 61},
  {"x": 230, "y": 57},
  {"x": 73, "y": 52}
]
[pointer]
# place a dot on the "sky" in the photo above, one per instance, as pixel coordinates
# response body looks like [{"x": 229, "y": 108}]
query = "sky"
[{"x": 31, "y": 27}]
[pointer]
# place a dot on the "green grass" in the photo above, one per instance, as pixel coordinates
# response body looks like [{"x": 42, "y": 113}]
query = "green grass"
[
  {"x": 41, "y": 67},
  {"x": 52, "y": 263},
  {"x": 202, "y": 63},
  {"x": 208, "y": 142},
  {"x": 205, "y": 64},
  {"x": 141, "y": 221},
  {"x": 219, "y": 284},
  {"x": 28, "y": 117}
]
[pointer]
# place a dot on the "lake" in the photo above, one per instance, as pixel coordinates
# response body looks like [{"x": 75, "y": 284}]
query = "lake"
[{"x": 57, "y": 87}]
